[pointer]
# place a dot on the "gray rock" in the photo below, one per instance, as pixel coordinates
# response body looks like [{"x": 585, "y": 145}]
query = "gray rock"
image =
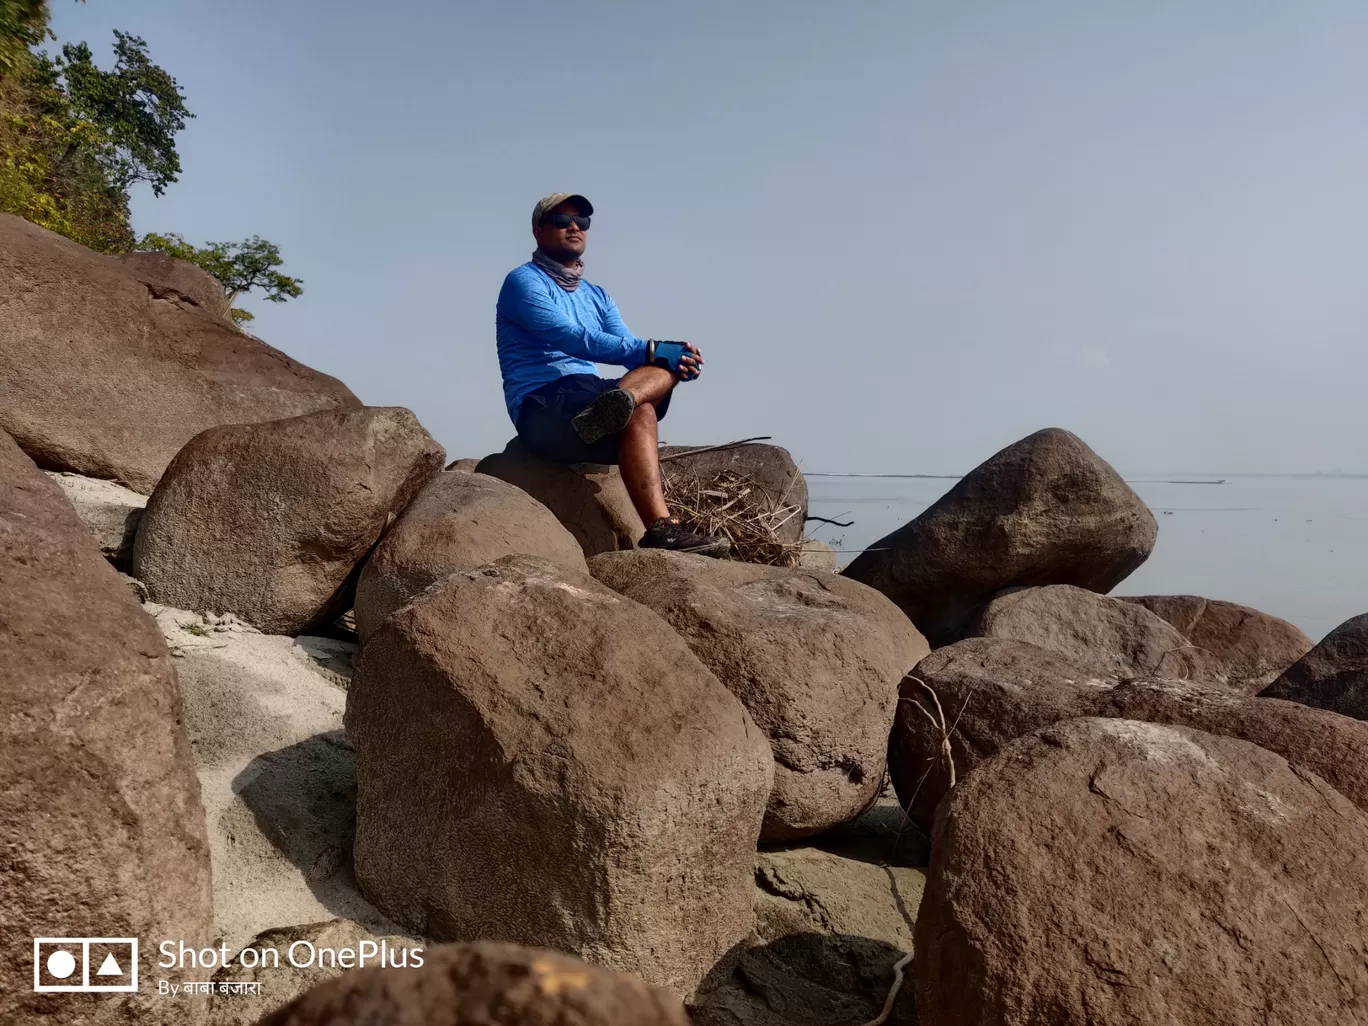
[{"x": 817, "y": 555}]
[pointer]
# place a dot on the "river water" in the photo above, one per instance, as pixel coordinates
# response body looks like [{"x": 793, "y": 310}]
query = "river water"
[{"x": 1294, "y": 546}]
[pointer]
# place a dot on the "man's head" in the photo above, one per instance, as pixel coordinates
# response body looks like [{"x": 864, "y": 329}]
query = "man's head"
[{"x": 560, "y": 224}]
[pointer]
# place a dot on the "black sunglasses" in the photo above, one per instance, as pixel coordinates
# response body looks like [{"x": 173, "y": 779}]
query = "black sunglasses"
[{"x": 581, "y": 221}]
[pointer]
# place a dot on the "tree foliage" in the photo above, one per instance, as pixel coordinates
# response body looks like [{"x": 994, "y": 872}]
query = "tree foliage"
[
  {"x": 23, "y": 24},
  {"x": 133, "y": 111},
  {"x": 50, "y": 171},
  {"x": 74, "y": 137},
  {"x": 240, "y": 267}
]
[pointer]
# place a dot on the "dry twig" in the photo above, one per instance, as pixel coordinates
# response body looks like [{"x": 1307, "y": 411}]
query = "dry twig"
[{"x": 732, "y": 505}]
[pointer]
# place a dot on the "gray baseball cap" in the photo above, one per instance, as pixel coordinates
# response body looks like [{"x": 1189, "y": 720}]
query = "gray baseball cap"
[{"x": 556, "y": 199}]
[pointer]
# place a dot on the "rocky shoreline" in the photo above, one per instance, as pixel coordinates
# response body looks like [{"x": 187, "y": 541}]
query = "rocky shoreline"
[{"x": 277, "y": 681}]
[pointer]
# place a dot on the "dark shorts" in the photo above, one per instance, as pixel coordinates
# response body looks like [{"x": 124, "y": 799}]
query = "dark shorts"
[{"x": 545, "y": 415}]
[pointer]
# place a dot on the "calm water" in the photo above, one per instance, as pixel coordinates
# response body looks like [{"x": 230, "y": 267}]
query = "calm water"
[{"x": 1296, "y": 547}]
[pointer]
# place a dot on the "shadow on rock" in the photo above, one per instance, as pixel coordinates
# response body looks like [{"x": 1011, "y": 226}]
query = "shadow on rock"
[
  {"x": 303, "y": 798},
  {"x": 883, "y": 836},
  {"x": 805, "y": 979}
]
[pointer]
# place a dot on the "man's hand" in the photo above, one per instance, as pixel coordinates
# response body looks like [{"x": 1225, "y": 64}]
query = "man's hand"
[
  {"x": 682, "y": 358},
  {"x": 691, "y": 363}
]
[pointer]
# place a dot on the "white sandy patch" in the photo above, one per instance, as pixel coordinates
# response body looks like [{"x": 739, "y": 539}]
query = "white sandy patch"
[{"x": 277, "y": 776}]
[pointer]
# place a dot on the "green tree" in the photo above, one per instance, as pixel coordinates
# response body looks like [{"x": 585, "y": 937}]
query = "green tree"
[
  {"x": 23, "y": 25},
  {"x": 73, "y": 137},
  {"x": 240, "y": 267},
  {"x": 135, "y": 110}
]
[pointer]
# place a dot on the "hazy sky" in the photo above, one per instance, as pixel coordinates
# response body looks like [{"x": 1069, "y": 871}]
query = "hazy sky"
[{"x": 904, "y": 234}]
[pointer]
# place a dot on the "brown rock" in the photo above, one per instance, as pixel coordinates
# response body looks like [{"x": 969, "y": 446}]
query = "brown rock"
[
  {"x": 1104, "y": 872},
  {"x": 1045, "y": 510},
  {"x": 1253, "y": 647},
  {"x": 100, "y": 814},
  {"x": 770, "y": 471},
  {"x": 1333, "y": 675},
  {"x": 325, "y": 951},
  {"x": 101, "y": 377},
  {"x": 268, "y": 521},
  {"x": 995, "y": 690},
  {"x": 177, "y": 281},
  {"x": 815, "y": 658},
  {"x": 542, "y": 761},
  {"x": 458, "y": 521},
  {"x": 981, "y": 694},
  {"x": 1120, "y": 639},
  {"x": 468, "y": 465},
  {"x": 484, "y": 985},
  {"x": 590, "y": 500}
]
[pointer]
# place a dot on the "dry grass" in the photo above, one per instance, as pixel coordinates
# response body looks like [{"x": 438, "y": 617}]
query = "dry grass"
[{"x": 732, "y": 505}]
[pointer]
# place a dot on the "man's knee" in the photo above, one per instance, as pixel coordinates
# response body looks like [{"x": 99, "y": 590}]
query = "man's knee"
[{"x": 643, "y": 417}]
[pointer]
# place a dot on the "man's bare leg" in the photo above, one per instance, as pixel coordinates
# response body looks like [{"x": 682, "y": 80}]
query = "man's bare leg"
[
  {"x": 639, "y": 443},
  {"x": 639, "y": 462}
]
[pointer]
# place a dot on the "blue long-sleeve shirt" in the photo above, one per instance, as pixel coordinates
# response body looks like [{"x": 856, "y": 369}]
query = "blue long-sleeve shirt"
[{"x": 545, "y": 333}]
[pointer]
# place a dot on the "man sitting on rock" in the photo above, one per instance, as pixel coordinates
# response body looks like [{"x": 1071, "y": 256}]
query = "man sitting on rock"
[{"x": 553, "y": 327}]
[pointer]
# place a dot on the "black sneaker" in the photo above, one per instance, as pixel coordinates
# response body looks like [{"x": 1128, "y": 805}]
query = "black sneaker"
[
  {"x": 669, "y": 533},
  {"x": 606, "y": 415}
]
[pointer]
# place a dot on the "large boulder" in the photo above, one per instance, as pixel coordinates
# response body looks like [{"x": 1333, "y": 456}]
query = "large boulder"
[
  {"x": 542, "y": 761},
  {"x": 458, "y": 522},
  {"x": 268, "y": 521},
  {"x": 484, "y": 985},
  {"x": 1045, "y": 510},
  {"x": 100, "y": 814},
  {"x": 107, "y": 372},
  {"x": 992, "y": 691},
  {"x": 774, "y": 480},
  {"x": 1333, "y": 675},
  {"x": 815, "y": 658},
  {"x": 589, "y": 499},
  {"x": 1253, "y": 647},
  {"x": 1110, "y": 872},
  {"x": 1121, "y": 639},
  {"x": 177, "y": 281},
  {"x": 108, "y": 509}
]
